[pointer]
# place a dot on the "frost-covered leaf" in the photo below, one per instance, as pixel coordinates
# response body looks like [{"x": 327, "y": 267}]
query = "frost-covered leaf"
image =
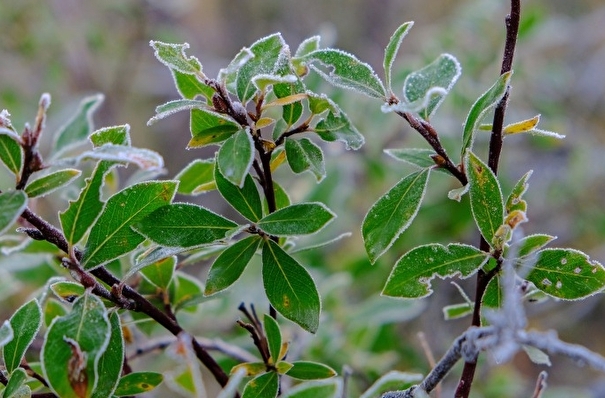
[
  {"x": 6, "y": 333},
  {"x": 160, "y": 272},
  {"x": 484, "y": 104},
  {"x": 338, "y": 127},
  {"x": 392, "y": 49},
  {"x": 112, "y": 236},
  {"x": 209, "y": 127},
  {"x": 346, "y": 71},
  {"x": 307, "y": 370},
  {"x": 263, "y": 386},
  {"x": 12, "y": 204},
  {"x": 228, "y": 75},
  {"x": 245, "y": 200},
  {"x": 117, "y": 135},
  {"x": 172, "y": 107},
  {"x": 138, "y": 383},
  {"x": 565, "y": 273},
  {"x": 263, "y": 81},
  {"x": 290, "y": 288},
  {"x": 174, "y": 57},
  {"x": 319, "y": 103},
  {"x": 79, "y": 127},
  {"x": 196, "y": 178},
  {"x": 145, "y": 159},
  {"x": 230, "y": 264},
  {"x": 393, "y": 213},
  {"x": 412, "y": 274},
  {"x": 456, "y": 311},
  {"x": 515, "y": 200},
  {"x": 485, "y": 196},
  {"x": 110, "y": 361},
  {"x": 11, "y": 153},
  {"x": 418, "y": 157},
  {"x": 189, "y": 86},
  {"x": 330, "y": 388},
  {"x": 529, "y": 126},
  {"x": 25, "y": 323},
  {"x": 183, "y": 225},
  {"x": 307, "y": 46},
  {"x": 529, "y": 244},
  {"x": 393, "y": 380},
  {"x": 298, "y": 219},
  {"x": 235, "y": 157},
  {"x": 51, "y": 182},
  {"x": 16, "y": 387},
  {"x": 305, "y": 155}
]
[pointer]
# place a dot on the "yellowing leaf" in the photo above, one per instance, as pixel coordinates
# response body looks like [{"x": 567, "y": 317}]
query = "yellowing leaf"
[{"x": 523, "y": 126}]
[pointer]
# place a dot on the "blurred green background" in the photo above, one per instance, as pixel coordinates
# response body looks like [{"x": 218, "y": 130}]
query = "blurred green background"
[{"x": 73, "y": 48}]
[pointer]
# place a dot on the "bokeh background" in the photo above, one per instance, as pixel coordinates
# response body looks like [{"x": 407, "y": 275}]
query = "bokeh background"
[{"x": 73, "y": 48}]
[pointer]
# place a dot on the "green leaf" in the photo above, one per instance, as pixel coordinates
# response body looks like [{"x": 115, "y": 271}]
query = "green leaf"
[
  {"x": 417, "y": 157},
  {"x": 245, "y": 200},
  {"x": 529, "y": 245},
  {"x": 15, "y": 384},
  {"x": 235, "y": 157},
  {"x": 456, "y": 311},
  {"x": 138, "y": 383},
  {"x": 209, "y": 127},
  {"x": 230, "y": 264},
  {"x": 172, "y": 107},
  {"x": 197, "y": 177},
  {"x": 250, "y": 368},
  {"x": 12, "y": 204},
  {"x": 6, "y": 333},
  {"x": 189, "y": 86},
  {"x": 174, "y": 57},
  {"x": 305, "y": 155},
  {"x": 484, "y": 104},
  {"x": 111, "y": 235},
  {"x": 185, "y": 291},
  {"x": 307, "y": 46},
  {"x": 298, "y": 219},
  {"x": 144, "y": 158},
  {"x": 228, "y": 75},
  {"x": 290, "y": 288},
  {"x": 306, "y": 370},
  {"x": 160, "y": 273},
  {"x": 565, "y": 273},
  {"x": 425, "y": 89},
  {"x": 51, "y": 182},
  {"x": 292, "y": 111},
  {"x": 319, "y": 103},
  {"x": 25, "y": 323},
  {"x": 267, "y": 53},
  {"x": 73, "y": 345},
  {"x": 346, "y": 71},
  {"x": 485, "y": 196},
  {"x": 79, "y": 127},
  {"x": 52, "y": 309},
  {"x": 67, "y": 291},
  {"x": 263, "y": 386},
  {"x": 515, "y": 199},
  {"x": 273, "y": 337},
  {"x": 338, "y": 127},
  {"x": 493, "y": 296},
  {"x": 316, "y": 389},
  {"x": 391, "y": 50},
  {"x": 393, "y": 213},
  {"x": 110, "y": 361},
  {"x": 81, "y": 213},
  {"x": 393, "y": 380},
  {"x": 117, "y": 135},
  {"x": 11, "y": 153},
  {"x": 412, "y": 274}
]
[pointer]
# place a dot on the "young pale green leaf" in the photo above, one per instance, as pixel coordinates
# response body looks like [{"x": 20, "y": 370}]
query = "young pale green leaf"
[
  {"x": 306, "y": 370},
  {"x": 174, "y": 57},
  {"x": 189, "y": 86},
  {"x": 117, "y": 135},
  {"x": 79, "y": 127},
  {"x": 145, "y": 159},
  {"x": 425, "y": 89},
  {"x": 346, "y": 71},
  {"x": 412, "y": 274},
  {"x": 16, "y": 388},
  {"x": 51, "y": 182},
  {"x": 393, "y": 213},
  {"x": 12, "y": 204},
  {"x": 307, "y": 46},
  {"x": 183, "y": 225},
  {"x": 267, "y": 53},
  {"x": 319, "y": 103},
  {"x": 536, "y": 355},
  {"x": 209, "y": 127},
  {"x": 172, "y": 107},
  {"x": 456, "y": 311},
  {"x": 185, "y": 291},
  {"x": 112, "y": 236},
  {"x": 52, "y": 309},
  {"x": 515, "y": 199},
  {"x": 338, "y": 127},
  {"x": 484, "y": 104},
  {"x": 11, "y": 153},
  {"x": 304, "y": 155},
  {"x": 290, "y": 288},
  {"x": 393, "y": 380},
  {"x": 565, "y": 273},
  {"x": 81, "y": 213},
  {"x": 230, "y": 264},
  {"x": 67, "y": 291},
  {"x": 160, "y": 272},
  {"x": 110, "y": 361},
  {"x": 263, "y": 386},
  {"x": 392, "y": 49},
  {"x": 6, "y": 333},
  {"x": 72, "y": 348},
  {"x": 273, "y": 337},
  {"x": 331, "y": 388},
  {"x": 263, "y": 81},
  {"x": 298, "y": 219},
  {"x": 25, "y": 323},
  {"x": 138, "y": 383},
  {"x": 529, "y": 245},
  {"x": 246, "y": 200},
  {"x": 197, "y": 177},
  {"x": 235, "y": 157},
  {"x": 487, "y": 203}
]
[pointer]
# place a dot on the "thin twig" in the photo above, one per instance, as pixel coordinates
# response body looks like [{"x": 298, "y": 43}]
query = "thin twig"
[{"x": 540, "y": 385}]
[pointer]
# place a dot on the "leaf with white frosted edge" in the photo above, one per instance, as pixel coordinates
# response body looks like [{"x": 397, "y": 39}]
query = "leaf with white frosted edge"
[
  {"x": 235, "y": 157},
  {"x": 185, "y": 291},
  {"x": 160, "y": 272},
  {"x": 25, "y": 323},
  {"x": 174, "y": 57},
  {"x": 197, "y": 177},
  {"x": 264, "y": 386},
  {"x": 297, "y": 219},
  {"x": 304, "y": 155},
  {"x": 145, "y": 159},
  {"x": 264, "y": 80},
  {"x": 346, "y": 71},
  {"x": 111, "y": 360},
  {"x": 484, "y": 104},
  {"x": 16, "y": 387},
  {"x": 183, "y": 225},
  {"x": 338, "y": 127},
  {"x": 6, "y": 333},
  {"x": 307, "y": 46},
  {"x": 567, "y": 274},
  {"x": 209, "y": 127},
  {"x": 228, "y": 75},
  {"x": 78, "y": 128},
  {"x": 172, "y": 107},
  {"x": 456, "y": 311},
  {"x": 391, "y": 381},
  {"x": 11, "y": 153},
  {"x": 319, "y": 103},
  {"x": 246, "y": 200},
  {"x": 51, "y": 182},
  {"x": 529, "y": 244},
  {"x": 412, "y": 274},
  {"x": 290, "y": 288},
  {"x": 515, "y": 200},
  {"x": 12, "y": 204},
  {"x": 117, "y": 135},
  {"x": 418, "y": 157},
  {"x": 112, "y": 236},
  {"x": 485, "y": 196},
  {"x": 189, "y": 86},
  {"x": 390, "y": 52},
  {"x": 393, "y": 213}
]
